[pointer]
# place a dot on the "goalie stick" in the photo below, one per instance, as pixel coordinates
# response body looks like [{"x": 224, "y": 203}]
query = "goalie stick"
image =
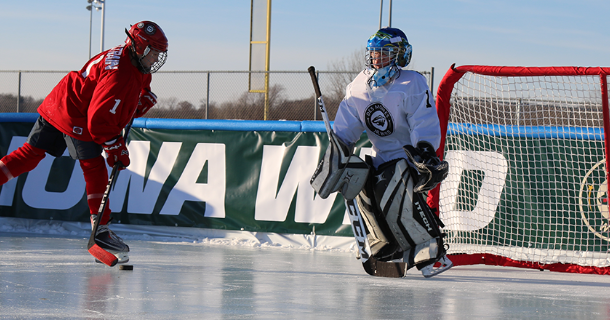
[
  {"x": 371, "y": 265},
  {"x": 94, "y": 249}
]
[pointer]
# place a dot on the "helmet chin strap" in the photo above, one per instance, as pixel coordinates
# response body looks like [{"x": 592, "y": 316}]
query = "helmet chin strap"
[
  {"x": 134, "y": 51},
  {"x": 141, "y": 65},
  {"x": 138, "y": 61}
]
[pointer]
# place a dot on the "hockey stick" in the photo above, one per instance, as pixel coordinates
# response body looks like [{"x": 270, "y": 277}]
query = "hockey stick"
[
  {"x": 371, "y": 265},
  {"x": 94, "y": 249}
]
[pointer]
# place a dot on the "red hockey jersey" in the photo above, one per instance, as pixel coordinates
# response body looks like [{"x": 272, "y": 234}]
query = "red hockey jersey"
[{"x": 97, "y": 102}]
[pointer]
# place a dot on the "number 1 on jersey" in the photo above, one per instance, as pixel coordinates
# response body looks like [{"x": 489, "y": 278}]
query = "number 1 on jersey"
[{"x": 116, "y": 105}]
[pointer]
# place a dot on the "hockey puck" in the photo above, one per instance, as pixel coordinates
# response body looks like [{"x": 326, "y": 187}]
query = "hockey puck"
[{"x": 125, "y": 267}]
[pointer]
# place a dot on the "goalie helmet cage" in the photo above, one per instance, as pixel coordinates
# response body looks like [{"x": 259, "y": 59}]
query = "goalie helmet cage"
[{"x": 527, "y": 184}]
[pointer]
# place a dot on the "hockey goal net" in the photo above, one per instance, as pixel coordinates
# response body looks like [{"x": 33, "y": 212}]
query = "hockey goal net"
[{"x": 527, "y": 185}]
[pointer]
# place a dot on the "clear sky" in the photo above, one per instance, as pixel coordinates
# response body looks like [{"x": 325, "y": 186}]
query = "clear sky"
[{"x": 214, "y": 35}]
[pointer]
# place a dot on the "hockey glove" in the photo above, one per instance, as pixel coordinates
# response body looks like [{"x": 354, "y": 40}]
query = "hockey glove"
[
  {"x": 339, "y": 170},
  {"x": 117, "y": 153},
  {"x": 430, "y": 169},
  {"x": 147, "y": 101}
]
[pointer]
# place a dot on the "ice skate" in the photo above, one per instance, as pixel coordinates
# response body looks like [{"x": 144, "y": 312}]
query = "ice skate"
[
  {"x": 109, "y": 241},
  {"x": 430, "y": 271}
]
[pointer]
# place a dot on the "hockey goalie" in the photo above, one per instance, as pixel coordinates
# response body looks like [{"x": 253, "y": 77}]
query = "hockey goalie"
[{"x": 385, "y": 193}]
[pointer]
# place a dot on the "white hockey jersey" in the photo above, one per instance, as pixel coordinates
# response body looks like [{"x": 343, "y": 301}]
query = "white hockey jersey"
[{"x": 401, "y": 112}]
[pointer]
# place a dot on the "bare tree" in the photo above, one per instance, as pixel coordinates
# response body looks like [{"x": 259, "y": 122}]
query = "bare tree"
[
  {"x": 250, "y": 105},
  {"x": 8, "y": 103},
  {"x": 346, "y": 68},
  {"x": 168, "y": 103}
]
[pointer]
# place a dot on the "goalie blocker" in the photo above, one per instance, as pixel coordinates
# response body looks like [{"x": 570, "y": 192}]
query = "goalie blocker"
[
  {"x": 399, "y": 223},
  {"x": 340, "y": 170}
]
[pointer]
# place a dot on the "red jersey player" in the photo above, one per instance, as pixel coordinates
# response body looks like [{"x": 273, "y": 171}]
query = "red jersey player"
[{"x": 86, "y": 113}]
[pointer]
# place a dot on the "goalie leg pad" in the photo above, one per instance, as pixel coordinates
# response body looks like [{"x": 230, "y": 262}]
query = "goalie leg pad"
[
  {"x": 424, "y": 254},
  {"x": 430, "y": 258},
  {"x": 339, "y": 170},
  {"x": 404, "y": 212},
  {"x": 375, "y": 226}
]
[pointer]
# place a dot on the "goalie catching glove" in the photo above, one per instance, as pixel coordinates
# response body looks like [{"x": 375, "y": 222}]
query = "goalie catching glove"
[
  {"x": 430, "y": 169},
  {"x": 339, "y": 170}
]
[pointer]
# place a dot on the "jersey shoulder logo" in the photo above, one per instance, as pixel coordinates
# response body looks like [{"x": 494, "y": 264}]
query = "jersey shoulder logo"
[{"x": 379, "y": 120}]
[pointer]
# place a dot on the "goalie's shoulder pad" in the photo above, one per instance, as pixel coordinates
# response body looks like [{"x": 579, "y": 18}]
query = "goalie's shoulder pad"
[{"x": 339, "y": 170}]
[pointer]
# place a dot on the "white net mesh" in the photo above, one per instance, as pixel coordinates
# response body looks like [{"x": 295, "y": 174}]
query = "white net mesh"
[{"x": 527, "y": 176}]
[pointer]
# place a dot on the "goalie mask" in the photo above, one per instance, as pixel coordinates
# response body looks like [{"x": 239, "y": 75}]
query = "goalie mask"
[
  {"x": 387, "y": 51},
  {"x": 148, "y": 41}
]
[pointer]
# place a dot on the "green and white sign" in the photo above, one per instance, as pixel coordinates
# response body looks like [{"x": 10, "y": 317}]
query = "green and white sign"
[{"x": 233, "y": 180}]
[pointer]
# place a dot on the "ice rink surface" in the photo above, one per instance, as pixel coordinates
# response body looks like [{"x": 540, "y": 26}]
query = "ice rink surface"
[{"x": 54, "y": 277}]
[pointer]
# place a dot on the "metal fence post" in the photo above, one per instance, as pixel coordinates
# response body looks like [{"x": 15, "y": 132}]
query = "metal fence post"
[
  {"x": 18, "y": 90},
  {"x": 207, "y": 98}
]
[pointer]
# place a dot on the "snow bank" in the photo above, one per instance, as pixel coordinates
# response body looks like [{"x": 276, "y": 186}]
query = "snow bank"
[{"x": 183, "y": 234}]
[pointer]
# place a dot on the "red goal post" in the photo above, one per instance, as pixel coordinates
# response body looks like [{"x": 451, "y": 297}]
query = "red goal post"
[{"x": 527, "y": 185}]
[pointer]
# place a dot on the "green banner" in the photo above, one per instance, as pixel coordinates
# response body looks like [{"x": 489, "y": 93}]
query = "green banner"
[{"x": 233, "y": 180}]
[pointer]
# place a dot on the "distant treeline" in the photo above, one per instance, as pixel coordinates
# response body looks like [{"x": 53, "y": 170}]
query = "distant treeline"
[
  {"x": 247, "y": 106},
  {"x": 8, "y": 103}
]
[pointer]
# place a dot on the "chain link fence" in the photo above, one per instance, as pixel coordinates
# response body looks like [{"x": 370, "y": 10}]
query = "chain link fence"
[{"x": 206, "y": 94}]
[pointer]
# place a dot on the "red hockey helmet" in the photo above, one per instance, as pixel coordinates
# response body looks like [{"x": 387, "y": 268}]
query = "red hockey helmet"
[{"x": 145, "y": 36}]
